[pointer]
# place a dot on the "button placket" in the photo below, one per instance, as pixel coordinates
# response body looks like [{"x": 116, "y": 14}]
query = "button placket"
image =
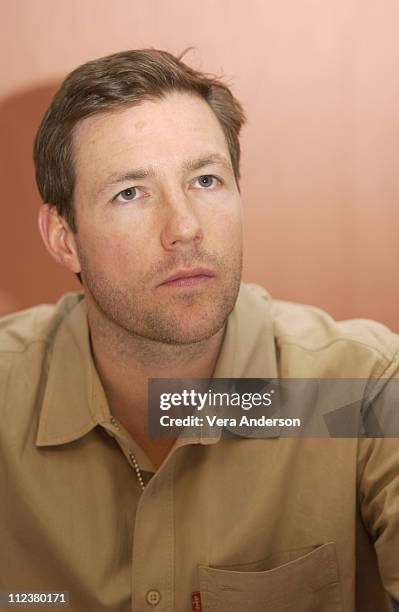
[{"x": 153, "y": 549}]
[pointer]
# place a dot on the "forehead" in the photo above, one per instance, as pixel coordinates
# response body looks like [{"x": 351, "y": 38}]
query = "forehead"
[{"x": 159, "y": 133}]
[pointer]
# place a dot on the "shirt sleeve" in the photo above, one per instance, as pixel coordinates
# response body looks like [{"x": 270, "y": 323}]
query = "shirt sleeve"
[{"x": 379, "y": 504}]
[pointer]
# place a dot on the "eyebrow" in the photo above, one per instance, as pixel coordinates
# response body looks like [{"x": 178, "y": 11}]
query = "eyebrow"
[
  {"x": 207, "y": 160},
  {"x": 137, "y": 174}
]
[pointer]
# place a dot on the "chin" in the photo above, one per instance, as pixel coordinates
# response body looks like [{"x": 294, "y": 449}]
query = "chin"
[
  {"x": 181, "y": 328},
  {"x": 193, "y": 324},
  {"x": 190, "y": 334}
]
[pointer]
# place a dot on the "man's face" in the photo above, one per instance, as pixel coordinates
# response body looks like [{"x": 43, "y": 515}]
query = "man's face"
[{"x": 155, "y": 196}]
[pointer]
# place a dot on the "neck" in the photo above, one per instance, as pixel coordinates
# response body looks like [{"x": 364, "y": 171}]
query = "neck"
[{"x": 125, "y": 362}]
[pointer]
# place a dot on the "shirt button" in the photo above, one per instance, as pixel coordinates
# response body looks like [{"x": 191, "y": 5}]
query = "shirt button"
[{"x": 153, "y": 597}]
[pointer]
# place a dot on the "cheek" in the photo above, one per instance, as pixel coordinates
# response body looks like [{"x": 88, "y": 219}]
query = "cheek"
[
  {"x": 113, "y": 252},
  {"x": 229, "y": 226}
]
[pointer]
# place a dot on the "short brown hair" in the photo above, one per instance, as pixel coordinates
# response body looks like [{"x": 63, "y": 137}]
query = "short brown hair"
[{"x": 108, "y": 83}]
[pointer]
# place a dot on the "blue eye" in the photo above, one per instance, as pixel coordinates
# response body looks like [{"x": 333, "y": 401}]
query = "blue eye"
[
  {"x": 207, "y": 180},
  {"x": 127, "y": 194}
]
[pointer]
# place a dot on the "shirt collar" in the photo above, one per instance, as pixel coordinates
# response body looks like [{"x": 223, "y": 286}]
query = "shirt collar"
[{"x": 74, "y": 401}]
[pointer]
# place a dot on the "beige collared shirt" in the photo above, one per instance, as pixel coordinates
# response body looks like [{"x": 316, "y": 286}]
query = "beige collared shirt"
[{"x": 247, "y": 525}]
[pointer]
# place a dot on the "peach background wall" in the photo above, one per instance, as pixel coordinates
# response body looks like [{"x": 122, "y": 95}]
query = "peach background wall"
[{"x": 320, "y": 83}]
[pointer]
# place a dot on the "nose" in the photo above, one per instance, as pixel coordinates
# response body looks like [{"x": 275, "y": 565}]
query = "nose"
[{"x": 181, "y": 223}]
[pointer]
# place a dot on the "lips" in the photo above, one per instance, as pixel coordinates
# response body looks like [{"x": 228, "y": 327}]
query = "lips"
[{"x": 194, "y": 273}]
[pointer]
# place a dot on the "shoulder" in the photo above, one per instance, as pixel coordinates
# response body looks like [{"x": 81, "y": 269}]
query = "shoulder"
[
  {"x": 26, "y": 338},
  {"x": 311, "y": 343},
  {"x": 38, "y": 324},
  {"x": 26, "y": 341}
]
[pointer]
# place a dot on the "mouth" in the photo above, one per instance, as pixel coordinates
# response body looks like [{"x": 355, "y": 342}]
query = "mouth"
[{"x": 188, "y": 278}]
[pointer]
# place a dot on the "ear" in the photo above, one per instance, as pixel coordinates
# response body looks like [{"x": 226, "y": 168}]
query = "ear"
[{"x": 58, "y": 238}]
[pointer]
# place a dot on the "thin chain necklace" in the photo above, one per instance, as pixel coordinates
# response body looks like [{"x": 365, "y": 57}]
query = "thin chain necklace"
[
  {"x": 137, "y": 469},
  {"x": 132, "y": 457}
]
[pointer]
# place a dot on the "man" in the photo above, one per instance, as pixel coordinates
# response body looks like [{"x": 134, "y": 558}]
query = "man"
[{"x": 138, "y": 165}]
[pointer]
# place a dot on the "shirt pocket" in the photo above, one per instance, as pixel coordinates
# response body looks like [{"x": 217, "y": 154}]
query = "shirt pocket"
[{"x": 310, "y": 583}]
